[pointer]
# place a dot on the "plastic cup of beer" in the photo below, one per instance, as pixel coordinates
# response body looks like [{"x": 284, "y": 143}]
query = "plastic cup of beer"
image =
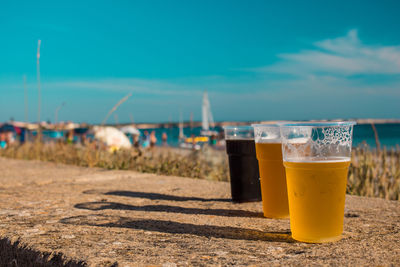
[
  {"x": 243, "y": 165},
  {"x": 316, "y": 156},
  {"x": 272, "y": 172}
]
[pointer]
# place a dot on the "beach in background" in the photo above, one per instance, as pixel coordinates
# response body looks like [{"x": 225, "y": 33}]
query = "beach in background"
[{"x": 388, "y": 133}]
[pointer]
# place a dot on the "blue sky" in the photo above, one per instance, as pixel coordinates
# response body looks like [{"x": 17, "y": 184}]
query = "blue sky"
[{"x": 258, "y": 60}]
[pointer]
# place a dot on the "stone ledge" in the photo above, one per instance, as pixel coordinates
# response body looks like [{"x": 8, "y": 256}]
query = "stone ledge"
[
  {"x": 17, "y": 254},
  {"x": 79, "y": 216}
]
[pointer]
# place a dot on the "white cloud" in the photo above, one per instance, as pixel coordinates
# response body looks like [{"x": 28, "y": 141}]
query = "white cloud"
[{"x": 345, "y": 55}]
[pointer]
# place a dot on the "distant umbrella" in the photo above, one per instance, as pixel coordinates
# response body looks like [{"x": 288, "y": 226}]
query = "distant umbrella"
[
  {"x": 130, "y": 130},
  {"x": 80, "y": 130},
  {"x": 10, "y": 128},
  {"x": 112, "y": 137}
]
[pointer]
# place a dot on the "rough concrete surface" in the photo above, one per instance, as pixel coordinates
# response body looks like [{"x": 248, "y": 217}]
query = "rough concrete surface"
[{"x": 123, "y": 218}]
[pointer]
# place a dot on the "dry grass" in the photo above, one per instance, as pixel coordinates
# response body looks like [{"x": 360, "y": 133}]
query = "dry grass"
[
  {"x": 372, "y": 173},
  {"x": 375, "y": 173},
  {"x": 159, "y": 161}
]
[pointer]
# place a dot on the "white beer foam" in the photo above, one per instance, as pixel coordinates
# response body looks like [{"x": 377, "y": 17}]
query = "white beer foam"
[
  {"x": 302, "y": 140},
  {"x": 269, "y": 141},
  {"x": 319, "y": 160}
]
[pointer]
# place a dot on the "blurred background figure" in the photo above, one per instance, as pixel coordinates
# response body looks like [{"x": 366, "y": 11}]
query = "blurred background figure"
[
  {"x": 146, "y": 139},
  {"x": 3, "y": 141},
  {"x": 135, "y": 141},
  {"x": 213, "y": 140},
  {"x": 164, "y": 139},
  {"x": 70, "y": 137},
  {"x": 153, "y": 139},
  {"x": 10, "y": 138}
]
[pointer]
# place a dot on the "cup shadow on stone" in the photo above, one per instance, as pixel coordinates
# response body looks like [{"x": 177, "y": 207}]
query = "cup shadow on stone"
[
  {"x": 167, "y": 208},
  {"x": 172, "y": 227},
  {"x": 156, "y": 196}
]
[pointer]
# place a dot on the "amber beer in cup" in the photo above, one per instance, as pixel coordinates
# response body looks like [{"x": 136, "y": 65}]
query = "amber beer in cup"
[
  {"x": 243, "y": 165},
  {"x": 272, "y": 172},
  {"x": 316, "y": 157}
]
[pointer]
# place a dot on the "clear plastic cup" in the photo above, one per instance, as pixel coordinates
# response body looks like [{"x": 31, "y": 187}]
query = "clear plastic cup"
[
  {"x": 272, "y": 172},
  {"x": 243, "y": 165},
  {"x": 316, "y": 156}
]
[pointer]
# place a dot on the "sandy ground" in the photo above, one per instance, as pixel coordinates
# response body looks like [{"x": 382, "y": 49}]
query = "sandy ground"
[{"x": 101, "y": 217}]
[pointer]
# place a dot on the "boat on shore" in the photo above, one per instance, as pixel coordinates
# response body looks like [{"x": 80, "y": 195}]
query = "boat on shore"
[{"x": 207, "y": 135}]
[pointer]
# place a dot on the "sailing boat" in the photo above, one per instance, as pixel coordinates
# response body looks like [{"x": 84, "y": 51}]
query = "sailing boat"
[
  {"x": 206, "y": 117},
  {"x": 195, "y": 142},
  {"x": 187, "y": 143}
]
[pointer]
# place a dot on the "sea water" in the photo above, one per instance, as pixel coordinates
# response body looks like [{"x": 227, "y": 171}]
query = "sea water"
[{"x": 389, "y": 134}]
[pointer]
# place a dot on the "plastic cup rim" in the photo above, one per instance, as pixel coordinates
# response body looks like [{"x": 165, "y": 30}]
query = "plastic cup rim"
[
  {"x": 318, "y": 124},
  {"x": 265, "y": 125},
  {"x": 244, "y": 127}
]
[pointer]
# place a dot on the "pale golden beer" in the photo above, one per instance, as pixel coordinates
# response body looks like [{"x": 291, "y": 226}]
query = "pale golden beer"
[
  {"x": 316, "y": 156},
  {"x": 316, "y": 191},
  {"x": 273, "y": 180}
]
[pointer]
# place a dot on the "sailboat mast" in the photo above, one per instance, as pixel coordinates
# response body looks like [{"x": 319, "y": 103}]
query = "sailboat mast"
[
  {"x": 210, "y": 115},
  {"x": 181, "y": 135},
  {"x": 204, "y": 114}
]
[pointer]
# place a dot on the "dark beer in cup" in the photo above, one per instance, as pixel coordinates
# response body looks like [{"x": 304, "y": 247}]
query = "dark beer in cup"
[{"x": 243, "y": 164}]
